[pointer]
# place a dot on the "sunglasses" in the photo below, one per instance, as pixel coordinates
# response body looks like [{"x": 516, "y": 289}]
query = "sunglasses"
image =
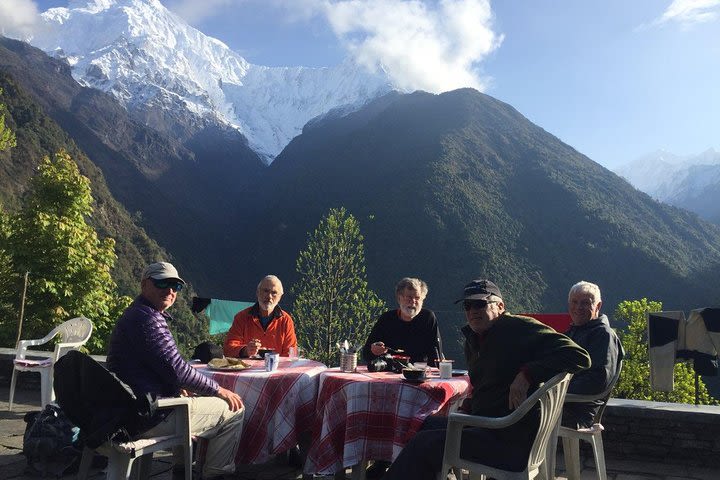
[
  {"x": 163, "y": 284},
  {"x": 476, "y": 304}
]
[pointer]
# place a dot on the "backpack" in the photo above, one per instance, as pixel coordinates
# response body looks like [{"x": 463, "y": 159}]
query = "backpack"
[
  {"x": 98, "y": 402},
  {"x": 206, "y": 351},
  {"x": 50, "y": 443}
]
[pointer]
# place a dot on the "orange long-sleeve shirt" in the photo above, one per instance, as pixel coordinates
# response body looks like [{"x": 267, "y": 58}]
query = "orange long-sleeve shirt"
[{"x": 279, "y": 336}]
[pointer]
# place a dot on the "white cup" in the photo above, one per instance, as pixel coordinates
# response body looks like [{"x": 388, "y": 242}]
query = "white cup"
[
  {"x": 271, "y": 361},
  {"x": 446, "y": 369},
  {"x": 293, "y": 353}
]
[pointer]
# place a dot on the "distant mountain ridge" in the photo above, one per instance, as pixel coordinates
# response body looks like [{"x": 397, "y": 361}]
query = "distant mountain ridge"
[
  {"x": 691, "y": 182},
  {"x": 161, "y": 68}
]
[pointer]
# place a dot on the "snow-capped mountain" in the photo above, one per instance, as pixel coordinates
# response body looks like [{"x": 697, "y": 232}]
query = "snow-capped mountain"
[
  {"x": 691, "y": 182},
  {"x": 154, "y": 62},
  {"x": 665, "y": 176}
]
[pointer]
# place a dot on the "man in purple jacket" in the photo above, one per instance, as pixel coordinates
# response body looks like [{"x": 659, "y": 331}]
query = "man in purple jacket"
[{"x": 143, "y": 354}]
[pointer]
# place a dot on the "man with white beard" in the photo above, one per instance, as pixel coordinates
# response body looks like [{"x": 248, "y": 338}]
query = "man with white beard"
[{"x": 409, "y": 327}]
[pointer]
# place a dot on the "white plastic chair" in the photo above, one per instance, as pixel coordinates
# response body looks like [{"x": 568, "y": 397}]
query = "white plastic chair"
[
  {"x": 571, "y": 437},
  {"x": 122, "y": 455},
  {"x": 73, "y": 334},
  {"x": 550, "y": 396}
]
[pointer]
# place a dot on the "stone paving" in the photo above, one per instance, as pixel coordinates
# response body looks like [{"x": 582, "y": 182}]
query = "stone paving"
[{"x": 12, "y": 462}]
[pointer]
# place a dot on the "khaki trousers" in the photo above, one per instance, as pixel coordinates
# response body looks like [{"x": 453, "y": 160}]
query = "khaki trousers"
[{"x": 211, "y": 419}]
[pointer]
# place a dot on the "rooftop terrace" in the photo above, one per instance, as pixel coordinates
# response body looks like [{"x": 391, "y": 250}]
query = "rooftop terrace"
[{"x": 12, "y": 461}]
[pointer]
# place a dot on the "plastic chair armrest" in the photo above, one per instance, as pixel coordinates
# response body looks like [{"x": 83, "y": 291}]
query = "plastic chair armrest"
[
  {"x": 491, "y": 422},
  {"x": 71, "y": 344},
  {"x": 171, "y": 402},
  {"x": 23, "y": 344}
]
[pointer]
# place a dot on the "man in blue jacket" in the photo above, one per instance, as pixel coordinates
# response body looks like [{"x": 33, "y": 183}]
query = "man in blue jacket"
[
  {"x": 143, "y": 354},
  {"x": 592, "y": 331}
]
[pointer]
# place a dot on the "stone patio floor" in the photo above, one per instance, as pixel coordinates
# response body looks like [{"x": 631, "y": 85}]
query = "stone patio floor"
[{"x": 12, "y": 461}]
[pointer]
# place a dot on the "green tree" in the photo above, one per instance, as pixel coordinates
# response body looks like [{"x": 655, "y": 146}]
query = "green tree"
[
  {"x": 7, "y": 136},
  {"x": 332, "y": 298},
  {"x": 7, "y": 140},
  {"x": 634, "y": 381},
  {"x": 69, "y": 265}
]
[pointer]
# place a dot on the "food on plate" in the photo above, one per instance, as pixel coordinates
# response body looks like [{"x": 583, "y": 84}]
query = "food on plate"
[{"x": 228, "y": 363}]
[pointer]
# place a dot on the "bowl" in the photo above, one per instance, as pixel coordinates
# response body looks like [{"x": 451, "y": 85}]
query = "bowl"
[
  {"x": 261, "y": 352},
  {"x": 414, "y": 374}
]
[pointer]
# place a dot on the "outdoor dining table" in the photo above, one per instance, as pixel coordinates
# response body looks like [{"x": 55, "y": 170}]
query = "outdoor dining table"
[
  {"x": 279, "y": 405},
  {"x": 371, "y": 415}
]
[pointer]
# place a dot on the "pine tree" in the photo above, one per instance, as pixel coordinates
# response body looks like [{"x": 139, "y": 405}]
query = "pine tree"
[{"x": 332, "y": 299}]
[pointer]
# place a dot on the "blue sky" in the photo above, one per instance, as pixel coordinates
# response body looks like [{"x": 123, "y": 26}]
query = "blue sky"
[{"x": 615, "y": 79}]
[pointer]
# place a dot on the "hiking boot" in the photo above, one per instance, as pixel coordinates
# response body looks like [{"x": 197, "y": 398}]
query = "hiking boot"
[{"x": 377, "y": 469}]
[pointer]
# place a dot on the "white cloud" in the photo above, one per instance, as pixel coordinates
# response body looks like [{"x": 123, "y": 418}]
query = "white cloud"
[
  {"x": 17, "y": 18},
  {"x": 435, "y": 47},
  {"x": 688, "y": 12},
  {"x": 432, "y": 45}
]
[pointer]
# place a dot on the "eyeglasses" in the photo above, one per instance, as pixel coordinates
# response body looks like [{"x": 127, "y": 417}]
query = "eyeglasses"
[
  {"x": 163, "y": 284},
  {"x": 476, "y": 304}
]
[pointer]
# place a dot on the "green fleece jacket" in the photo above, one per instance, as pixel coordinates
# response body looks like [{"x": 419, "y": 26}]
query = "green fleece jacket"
[{"x": 514, "y": 343}]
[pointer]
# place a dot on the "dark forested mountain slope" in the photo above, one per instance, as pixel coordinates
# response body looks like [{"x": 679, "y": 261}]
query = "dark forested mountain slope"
[
  {"x": 455, "y": 186},
  {"x": 180, "y": 188}
]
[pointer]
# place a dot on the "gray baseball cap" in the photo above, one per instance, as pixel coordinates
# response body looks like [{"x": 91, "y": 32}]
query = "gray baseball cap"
[{"x": 162, "y": 271}]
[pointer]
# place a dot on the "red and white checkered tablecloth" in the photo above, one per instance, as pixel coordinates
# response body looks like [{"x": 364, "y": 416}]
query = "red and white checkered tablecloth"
[
  {"x": 279, "y": 405},
  {"x": 364, "y": 415}
]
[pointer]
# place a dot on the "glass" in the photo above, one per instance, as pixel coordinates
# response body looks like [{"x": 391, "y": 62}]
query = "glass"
[
  {"x": 174, "y": 285},
  {"x": 475, "y": 304},
  {"x": 446, "y": 369},
  {"x": 293, "y": 353},
  {"x": 348, "y": 362}
]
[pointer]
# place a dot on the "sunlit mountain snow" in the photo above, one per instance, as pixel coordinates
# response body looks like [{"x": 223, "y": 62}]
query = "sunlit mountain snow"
[
  {"x": 669, "y": 177},
  {"x": 147, "y": 56}
]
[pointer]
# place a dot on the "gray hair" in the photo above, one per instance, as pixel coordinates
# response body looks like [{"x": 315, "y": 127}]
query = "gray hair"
[
  {"x": 412, "y": 284},
  {"x": 585, "y": 287},
  {"x": 274, "y": 279}
]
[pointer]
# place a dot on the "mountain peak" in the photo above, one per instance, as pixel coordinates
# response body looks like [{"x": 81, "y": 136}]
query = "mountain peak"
[{"x": 153, "y": 61}]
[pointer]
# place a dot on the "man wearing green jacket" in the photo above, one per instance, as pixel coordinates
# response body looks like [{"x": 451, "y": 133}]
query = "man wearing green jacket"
[{"x": 508, "y": 356}]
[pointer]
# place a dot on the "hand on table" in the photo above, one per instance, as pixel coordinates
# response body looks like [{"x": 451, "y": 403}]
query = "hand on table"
[
  {"x": 232, "y": 398},
  {"x": 378, "y": 348},
  {"x": 518, "y": 391}
]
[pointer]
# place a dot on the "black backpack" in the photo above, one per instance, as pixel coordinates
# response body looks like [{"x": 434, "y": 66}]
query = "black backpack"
[
  {"x": 206, "y": 351},
  {"x": 50, "y": 443},
  {"x": 98, "y": 402}
]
